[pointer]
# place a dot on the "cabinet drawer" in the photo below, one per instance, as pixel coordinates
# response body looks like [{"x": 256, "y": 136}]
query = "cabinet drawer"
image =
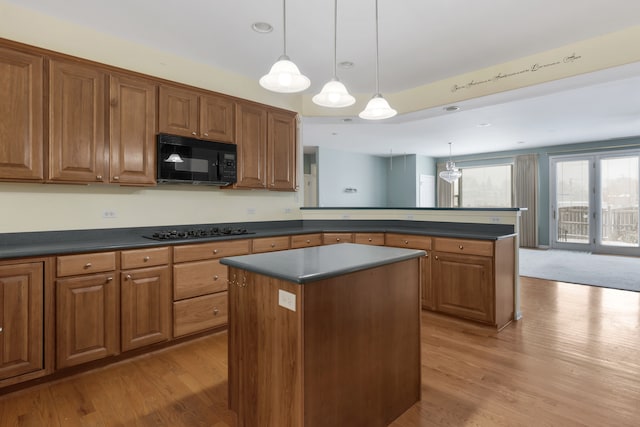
[
  {"x": 144, "y": 258},
  {"x": 306, "y": 240},
  {"x": 270, "y": 244},
  {"x": 411, "y": 241},
  {"x": 194, "y": 279},
  {"x": 464, "y": 246},
  {"x": 71, "y": 265},
  {"x": 197, "y": 314},
  {"x": 369, "y": 238},
  {"x": 210, "y": 250},
  {"x": 331, "y": 238}
]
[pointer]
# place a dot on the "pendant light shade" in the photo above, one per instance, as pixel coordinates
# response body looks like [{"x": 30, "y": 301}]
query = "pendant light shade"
[
  {"x": 378, "y": 108},
  {"x": 284, "y": 76},
  {"x": 334, "y": 94},
  {"x": 451, "y": 173}
]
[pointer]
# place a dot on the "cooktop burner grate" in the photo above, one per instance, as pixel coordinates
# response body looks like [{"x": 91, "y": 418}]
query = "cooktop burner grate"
[{"x": 197, "y": 233}]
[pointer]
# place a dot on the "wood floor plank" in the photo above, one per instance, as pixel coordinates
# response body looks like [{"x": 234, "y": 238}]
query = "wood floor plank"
[{"x": 573, "y": 360}]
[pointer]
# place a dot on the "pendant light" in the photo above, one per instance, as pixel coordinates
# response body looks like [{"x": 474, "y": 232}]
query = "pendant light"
[
  {"x": 334, "y": 94},
  {"x": 284, "y": 76},
  {"x": 452, "y": 173},
  {"x": 378, "y": 108}
]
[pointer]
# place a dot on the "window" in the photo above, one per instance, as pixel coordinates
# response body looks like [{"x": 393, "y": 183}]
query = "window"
[{"x": 484, "y": 187}]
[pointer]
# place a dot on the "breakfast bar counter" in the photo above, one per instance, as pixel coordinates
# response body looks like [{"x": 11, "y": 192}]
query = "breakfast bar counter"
[{"x": 327, "y": 335}]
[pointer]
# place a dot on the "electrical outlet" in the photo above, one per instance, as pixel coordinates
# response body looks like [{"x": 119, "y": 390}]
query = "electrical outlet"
[
  {"x": 251, "y": 211},
  {"x": 109, "y": 213},
  {"x": 346, "y": 216},
  {"x": 287, "y": 210},
  {"x": 287, "y": 300}
]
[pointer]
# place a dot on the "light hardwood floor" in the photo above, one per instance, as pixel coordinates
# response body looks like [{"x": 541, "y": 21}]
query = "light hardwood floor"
[{"x": 573, "y": 360}]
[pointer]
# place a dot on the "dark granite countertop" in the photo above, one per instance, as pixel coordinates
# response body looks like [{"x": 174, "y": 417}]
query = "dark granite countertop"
[
  {"x": 320, "y": 262},
  {"x": 47, "y": 243}
]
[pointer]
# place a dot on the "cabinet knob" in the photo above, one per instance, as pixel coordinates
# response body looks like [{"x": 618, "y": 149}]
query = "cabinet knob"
[
  {"x": 308, "y": 241},
  {"x": 215, "y": 251},
  {"x": 461, "y": 247},
  {"x": 206, "y": 134},
  {"x": 215, "y": 311},
  {"x": 233, "y": 280},
  {"x": 128, "y": 277},
  {"x": 145, "y": 259},
  {"x": 426, "y": 255},
  {"x": 109, "y": 279},
  {"x": 370, "y": 239},
  {"x": 87, "y": 265},
  {"x": 215, "y": 277},
  {"x": 273, "y": 245},
  {"x": 436, "y": 257},
  {"x": 193, "y": 133},
  {"x": 116, "y": 178},
  {"x": 337, "y": 239},
  {"x": 99, "y": 177},
  {"x": 406, "y": 242},
  {"x": 0, "y": 328}
]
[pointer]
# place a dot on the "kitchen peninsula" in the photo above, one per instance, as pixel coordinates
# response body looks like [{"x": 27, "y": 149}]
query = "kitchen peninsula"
[{"x": 326, "y": 335}]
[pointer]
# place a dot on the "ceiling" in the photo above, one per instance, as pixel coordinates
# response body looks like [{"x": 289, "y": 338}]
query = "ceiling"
[{"x": 421, "y": 41}]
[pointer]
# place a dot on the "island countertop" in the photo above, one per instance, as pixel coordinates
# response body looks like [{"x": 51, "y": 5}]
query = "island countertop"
[{"x": 320, "y": 262}]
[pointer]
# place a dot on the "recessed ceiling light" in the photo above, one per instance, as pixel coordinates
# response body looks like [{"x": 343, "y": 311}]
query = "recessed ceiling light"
[
  {"x": 484, "y": 125},
  {"x": 520, "y": 142},
  {"x": 451, "y": 108},
  {"x": 334, "y": 133},
  {"x": 261, "y": 27},
  {"x": 346, "y": 64}
]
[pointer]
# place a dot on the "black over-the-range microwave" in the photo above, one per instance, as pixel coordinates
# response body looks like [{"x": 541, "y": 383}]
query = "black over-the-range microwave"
[{"x": 183, "y": 160}]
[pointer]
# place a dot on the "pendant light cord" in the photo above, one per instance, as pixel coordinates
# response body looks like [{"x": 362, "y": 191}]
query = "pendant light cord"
[
  {"x": 284, "y": 25},
  {"x": 377, "y": 54},
  {"x": 335, "y": 37}
]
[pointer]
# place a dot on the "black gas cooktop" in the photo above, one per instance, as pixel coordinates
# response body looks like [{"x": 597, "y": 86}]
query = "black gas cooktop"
[{"x": 197, "y": 233}]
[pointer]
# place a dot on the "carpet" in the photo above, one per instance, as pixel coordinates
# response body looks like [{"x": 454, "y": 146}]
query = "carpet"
[{"x": 584, "y": 268}]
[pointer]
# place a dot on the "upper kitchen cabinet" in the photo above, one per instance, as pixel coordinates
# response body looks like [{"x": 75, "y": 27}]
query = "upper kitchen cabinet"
[
  {"x": 21, "y": 115},
  {"x": 266, "y": 142},
  {"x": 77, "y": 122},
  {"x": 281, "y": 151},
  {"x": 132, "y": 130},
  {"x": 196, "y": 114}
]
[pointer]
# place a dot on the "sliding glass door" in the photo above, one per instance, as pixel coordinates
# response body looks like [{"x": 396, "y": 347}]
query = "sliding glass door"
[{"x": 594, "y": 202}]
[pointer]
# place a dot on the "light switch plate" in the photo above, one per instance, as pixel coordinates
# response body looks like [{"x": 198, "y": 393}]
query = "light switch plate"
[{"x": 287, "y": 300}]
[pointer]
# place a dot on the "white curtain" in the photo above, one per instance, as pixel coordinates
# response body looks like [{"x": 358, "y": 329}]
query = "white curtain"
[{"x": 525, "y": 179}]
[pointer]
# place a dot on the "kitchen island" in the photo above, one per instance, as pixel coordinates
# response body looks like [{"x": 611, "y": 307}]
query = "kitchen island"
[{"x": 327, "y": 335}]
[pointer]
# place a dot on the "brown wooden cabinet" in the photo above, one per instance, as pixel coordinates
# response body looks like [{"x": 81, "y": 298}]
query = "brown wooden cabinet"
[
  {"x": 281, "y": 151},
  {"x": 413, "y": 241},
  {"x": 21, "y": 115},
  {"x": 306, "y": 240},
  {"x": 200, "y": 285},
  {"x": 132, "y": 130},
  {"x": 270, "y": 244},
  {"x": 77, "y": 117},
  {"x": 333, "y": 238},
  {"x": 21, "y": 319},
  {"x": 196, "y": 114},
  {"x": 474, "y": 279},
  {"x": 145, "y": 306},
  {"x": 267, "y": 148},
  {"x": 376, "y": 239},
  {"x": 87, "y": 307}
]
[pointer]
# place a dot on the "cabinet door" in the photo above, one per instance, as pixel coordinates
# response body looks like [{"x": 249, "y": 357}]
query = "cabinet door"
[
  {"x": 21, "y": 322},
  {"x": 145, "y": 307},
  {"x": 217, "y": 118},
  {"x": 464, "y": 285},
  {"x": 178, "y": 111},
  {"x": 251, "y": 138},
  {"x": 76, "y": 123},
  {"x": 21, "y": 138},
  {"x": 86, "y": 318},
  {"x": 426, "y": 285},
  {"x": 132, "y": 130},
  {"x": 281, "y": 151}
]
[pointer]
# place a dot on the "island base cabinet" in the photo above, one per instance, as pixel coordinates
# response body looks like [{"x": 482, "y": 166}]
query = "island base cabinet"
[{"x": 348, "y": 355}]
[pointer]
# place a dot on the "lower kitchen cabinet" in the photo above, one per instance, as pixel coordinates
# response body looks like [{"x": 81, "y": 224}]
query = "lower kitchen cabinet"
[
  {"x": 200, "y": 313},
  {"x": 145, "y": 307},
  {"x": 87, "y": 322},
  {"x": 411, "y": 241},
  {"x": 21, "y": 319}
]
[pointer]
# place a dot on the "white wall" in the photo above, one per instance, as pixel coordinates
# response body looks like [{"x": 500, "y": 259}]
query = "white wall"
[{"x": 338, "y": 170}]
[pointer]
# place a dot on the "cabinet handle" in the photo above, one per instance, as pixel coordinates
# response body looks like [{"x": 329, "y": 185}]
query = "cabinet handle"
[
  {"x": 406, "y": 242},
  {"x": 128, "y": 277},
  {"x": 0, "y": 328},
  {"x": 308, "y": 241},
  {"x": 273, "y": 245},
  {"x": 233, "y": 280},
  {"x": 145, "y": 259},
  {"x": 87, "y": 265},
  {"x": 370, "y": 239},
  {"x": 461, "y": 247},
  {"x": 215, "y": 311},
  {"x": 215, "y": 251},
  {"x": 426, "y": 255},
  {"x": 116, "y": 178},
  {"x": 436, "y": 257},
  {"x": 215, "y": 277},
  {"x": 99, "y": 177},
  {"x": 193, "y": 133},
  {"x": 206, "y": 134},
  {"x": 109, "y": 279},
  {"x": 337, "y": 239}
]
